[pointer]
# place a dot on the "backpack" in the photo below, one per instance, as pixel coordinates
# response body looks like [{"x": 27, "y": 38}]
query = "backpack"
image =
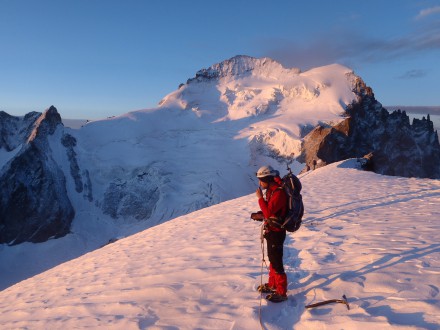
[{"x": 295, "y": 207}]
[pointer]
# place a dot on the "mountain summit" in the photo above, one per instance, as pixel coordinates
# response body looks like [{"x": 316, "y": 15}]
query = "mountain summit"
[
  {"x": 286, "y": 99},
  {"x": 242, "y": 65}
]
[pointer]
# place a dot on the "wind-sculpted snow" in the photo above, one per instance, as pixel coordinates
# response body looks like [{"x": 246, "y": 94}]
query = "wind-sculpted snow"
[{"x": 370, "y": 237}]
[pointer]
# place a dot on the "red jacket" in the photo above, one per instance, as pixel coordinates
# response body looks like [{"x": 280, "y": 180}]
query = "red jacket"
[{"x": 275, "y": 204}]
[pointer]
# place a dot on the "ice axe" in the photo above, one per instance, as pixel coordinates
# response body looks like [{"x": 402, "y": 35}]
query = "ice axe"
[{"x": 341, "y": 301}]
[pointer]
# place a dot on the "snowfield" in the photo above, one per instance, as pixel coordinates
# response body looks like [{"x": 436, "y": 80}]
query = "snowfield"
[{"x": 374, "y": 238}]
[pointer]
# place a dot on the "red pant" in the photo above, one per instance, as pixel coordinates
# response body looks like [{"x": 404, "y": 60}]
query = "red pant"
[
  {"x": 277, "y": 281},
  {"x": 277, "y": 276}
]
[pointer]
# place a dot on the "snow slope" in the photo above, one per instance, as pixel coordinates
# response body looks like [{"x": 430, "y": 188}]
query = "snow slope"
[
  {"x": 373, "y": 238},
  {"x": 201, "y": 146}
]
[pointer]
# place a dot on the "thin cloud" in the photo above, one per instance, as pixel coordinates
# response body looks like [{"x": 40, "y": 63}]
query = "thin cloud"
[
  {"x": 427, "y": 12},
  {"x": 349, "y": 48},
  {"x": 413, "y": 74}
]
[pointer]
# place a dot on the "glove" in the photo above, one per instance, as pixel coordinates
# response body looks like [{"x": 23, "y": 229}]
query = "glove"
[{"x": 258, "y": 216}]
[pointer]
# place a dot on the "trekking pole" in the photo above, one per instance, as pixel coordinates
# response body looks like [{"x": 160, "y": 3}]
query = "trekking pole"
[
  {"x": 263, "y": 261},
  {"x": 290, "y": 162}
]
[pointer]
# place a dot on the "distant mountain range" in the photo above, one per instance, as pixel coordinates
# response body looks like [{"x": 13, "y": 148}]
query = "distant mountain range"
[{"x": 423, "y": 110}]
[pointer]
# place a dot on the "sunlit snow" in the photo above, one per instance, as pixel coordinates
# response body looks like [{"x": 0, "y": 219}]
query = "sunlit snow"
[{"x": 373, "y": 238}]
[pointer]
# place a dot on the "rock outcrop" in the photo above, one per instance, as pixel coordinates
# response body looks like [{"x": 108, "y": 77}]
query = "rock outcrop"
[
  {"x": 34, "y": 205},
  {"x": 394, "y": 145},
  {"x": 15, "y": 130}
]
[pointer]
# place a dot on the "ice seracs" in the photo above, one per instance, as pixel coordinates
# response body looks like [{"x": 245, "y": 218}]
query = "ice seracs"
[{"x": 246, "y": 87}]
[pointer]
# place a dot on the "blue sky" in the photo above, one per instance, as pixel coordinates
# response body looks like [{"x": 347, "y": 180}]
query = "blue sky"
[{"x": 99, "y": 58}]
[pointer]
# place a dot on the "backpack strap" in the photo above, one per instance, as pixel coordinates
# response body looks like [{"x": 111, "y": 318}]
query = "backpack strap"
[
  {"x": 281, "y": 210},
  {"x": 271, "y": 193}
]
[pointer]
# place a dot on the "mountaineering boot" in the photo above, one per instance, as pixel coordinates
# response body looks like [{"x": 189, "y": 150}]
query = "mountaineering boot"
[
  {"x": 276, "y": 297},
  {"x": 265, "y": 288}
]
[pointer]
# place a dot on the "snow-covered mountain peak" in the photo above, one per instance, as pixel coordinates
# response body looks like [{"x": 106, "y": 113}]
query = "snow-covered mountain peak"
[
  {"x": 263, "y": 90},
  {"x": 242, "y": 65},
  {"x": 47, "y": 123}
]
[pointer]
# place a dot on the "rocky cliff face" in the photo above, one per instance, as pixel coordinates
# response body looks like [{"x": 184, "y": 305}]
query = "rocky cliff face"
[
  {"x": 15, "y": 130},
  {"x": 34, "y": 205},
  {"x": 394, "y": 146}
]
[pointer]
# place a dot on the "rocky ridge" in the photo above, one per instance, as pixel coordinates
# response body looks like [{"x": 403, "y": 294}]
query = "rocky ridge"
[
  {"x": 34, "y": 205},
  {"x": 15, "y": 130},
  {"x": 388, "y": 142}
]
